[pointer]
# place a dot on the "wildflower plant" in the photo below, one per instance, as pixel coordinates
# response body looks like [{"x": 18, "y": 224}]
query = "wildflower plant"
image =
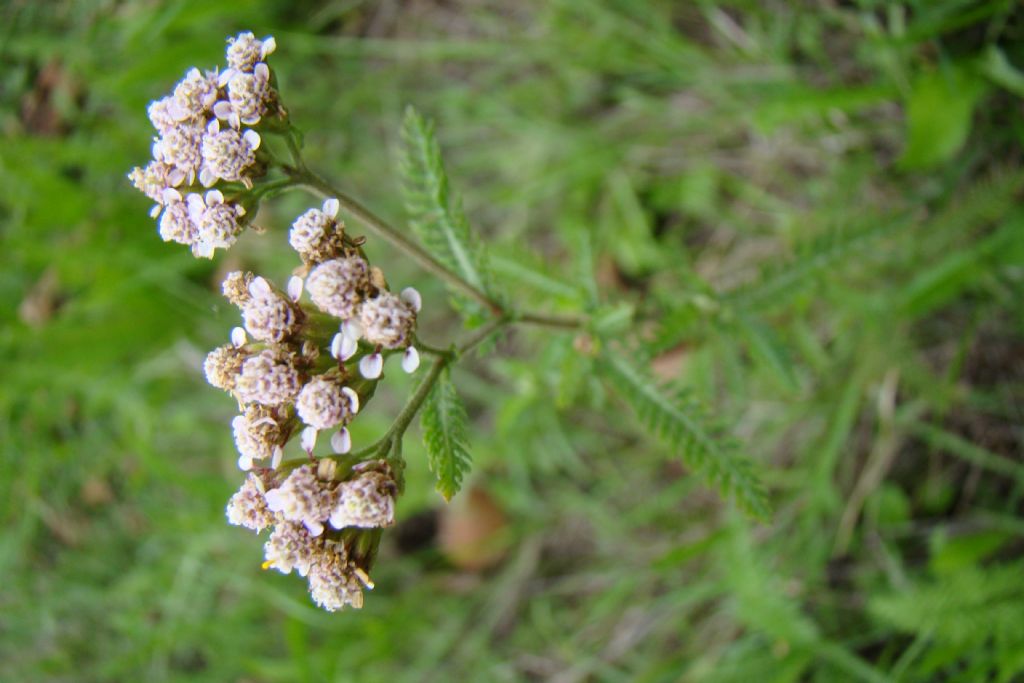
[{"x": 311, "y": 352}]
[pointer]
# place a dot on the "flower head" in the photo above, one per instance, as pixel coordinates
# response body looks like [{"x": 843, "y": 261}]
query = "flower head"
[
  {"x": 291, "y": 546},
  {"x": 236, "y": 287},
  {"x": 335, "y": 582},
  {"x": 227, "y": 154},
  {"x": 249, "y": 97},
  {"x": 269, "y": 316},
  {"x": 245, "y": 51},
  {"x": 259, "y": 433},
  {"x": 223, "y": 365},
  {"x": 338, "y": 286},
  {"x": 269, "y": 378},
  {"x": 217, "y": 222},
  {"x": 387, "y": 320},
  {"x": 326, "y": 402},
  {"x": 302, "y": 498},
  {"x": 317, "y": 235},
  {"x": 180, "y": 147},
  {"x": 248, "y": 507},
  {"x": 367, "y": 500},
  {"x": 195, "y": 94}
]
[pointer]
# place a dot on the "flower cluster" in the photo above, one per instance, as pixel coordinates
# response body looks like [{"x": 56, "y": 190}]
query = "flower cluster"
[
  {"x": 308, "y": 356},
  {"x": 273, "y": 365},
  {"x": 206, "y": 132},
  {"x": 319, "y": 516}
]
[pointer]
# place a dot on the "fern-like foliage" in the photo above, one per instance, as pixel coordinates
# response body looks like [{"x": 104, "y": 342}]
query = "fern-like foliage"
[
  {"x": 973, "y": 615},
  {"x": 683, "y": 424},
  {"x": 444, "y": 433},
  {"x": 435, "y": 214},
  {"x": 777, "y": 282}
]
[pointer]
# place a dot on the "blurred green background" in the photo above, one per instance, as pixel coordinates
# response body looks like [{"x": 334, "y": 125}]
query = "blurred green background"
[{"x": 808, "y": 211}]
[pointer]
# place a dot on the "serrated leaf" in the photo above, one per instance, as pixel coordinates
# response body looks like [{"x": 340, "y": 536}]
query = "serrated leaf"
[
  {"x": 444, "y": 434},
  {"x": 436, "y": 216},
  {"x": 678, "y": 420}
]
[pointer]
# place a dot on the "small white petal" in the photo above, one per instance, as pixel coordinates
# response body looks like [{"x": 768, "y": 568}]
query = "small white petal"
[
  {"x": 222, "y": 109},
  {"x": 308, "y": 439},
  {"x": 336, "y": 343},
  {"x": 411, "y": 360},
  {"x": 225, "y": 76},
  {"x": 341, "y": 442},
  {"x": 207, "y": 178},
  {"x": 235, "y": 120},
  {"x": 244, "y": 463},
  {"x": 348, "y": 348},
  {"x": 371, "y": 366},
  {"x": 275, "y": 462},
  {"x": 253, "y": 138},
  {"x": 315, "y": 528},
  {"x": 214, "y": 197},
  {"x": 177, "y": 177},
  {"x": 259, "y": 286},
  {"x": 170, "y": 195},
  {"x": 331, "y": 207},
  {"x": 155, "y": 211},
  {"x": 203, "y": 249},
  {"x": 353, "y": 398},
  {"x": 412, "y": 297},
  {"x": 337, "y": 518},
  {"x": 238, "y": 338},
  {"x": 274, "y": 502},
  {"x": 262, "y": 71},
  {"x": 352, "y": 329},
  {"x": 295, "y": 287},
  {"x": 214, "y": 126},
  {"x": 269, "y": 45}
]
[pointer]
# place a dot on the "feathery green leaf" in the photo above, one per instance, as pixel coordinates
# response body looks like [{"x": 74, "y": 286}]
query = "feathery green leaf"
[
  {"x": 436, "y": 215},
  {"x": 683, "y": 424},
  {"x": 444, "y": 434}
]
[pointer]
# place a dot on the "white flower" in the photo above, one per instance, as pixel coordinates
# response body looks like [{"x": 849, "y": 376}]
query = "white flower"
[
  {"x": 317, "y": 235},
  {"x": 227, "y": 154},
  {"x": 289, "y": 547},
  {"x": 217, "y": 225},
  {"x": 270, "y": 317},
  {"x": 325, "y": 402},
  {"x": 236, "y": 287},
  {"x": 195, "y": 94},
  {"x": 258, "y": 433},
  {"x": 367, "y": 501},
  {"x": 223, "y": 365},
  {"x": 176, "y": 224},
  {"x": 157, "y": 181},
  {"x": 339, "y": 285},
  {"x": 334, "y": 582},
  {"x": 248, "y": 507},
  {"x": 302, "y": 498},
  {"x": 249, "y": 97},
  {"x": 387, "y": 320},
  {"x": 245, "y": 52},
  {"x": 181, "y": 148},
  {"x": 269, "y": 378},
  {"x": 163, "y": 114}
]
